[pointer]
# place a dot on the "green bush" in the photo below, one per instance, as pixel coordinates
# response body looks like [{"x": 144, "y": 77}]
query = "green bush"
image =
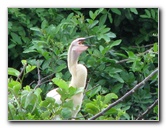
[{"x": 123, "y": 53}]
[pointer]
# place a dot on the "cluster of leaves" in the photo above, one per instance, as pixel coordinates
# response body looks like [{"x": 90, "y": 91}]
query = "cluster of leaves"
[
  {"x": 123, "y": 53},
  {"x": 27, "y": 103}
]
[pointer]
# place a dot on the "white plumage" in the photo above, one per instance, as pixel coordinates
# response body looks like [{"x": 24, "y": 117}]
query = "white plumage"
[{"x": 78, "y": 72}]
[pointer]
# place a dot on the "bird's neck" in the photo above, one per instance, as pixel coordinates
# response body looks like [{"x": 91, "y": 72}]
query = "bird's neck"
[{"x": 72, "y": 61}]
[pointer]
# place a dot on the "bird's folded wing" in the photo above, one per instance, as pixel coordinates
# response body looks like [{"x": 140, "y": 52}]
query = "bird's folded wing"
[{"x": 54, "y": 94}]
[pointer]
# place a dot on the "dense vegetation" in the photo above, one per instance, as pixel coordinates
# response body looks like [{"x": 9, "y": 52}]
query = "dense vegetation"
[{"x": 122, "y": 62}]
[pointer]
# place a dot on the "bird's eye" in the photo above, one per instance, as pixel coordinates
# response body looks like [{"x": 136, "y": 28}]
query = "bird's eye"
[{"x": 80, "y": 42}]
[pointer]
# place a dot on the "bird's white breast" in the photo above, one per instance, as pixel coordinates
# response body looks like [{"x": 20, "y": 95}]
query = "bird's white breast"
[{"x": 54, "y": 94}]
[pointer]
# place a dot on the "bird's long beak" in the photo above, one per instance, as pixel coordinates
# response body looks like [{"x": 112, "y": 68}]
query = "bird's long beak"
[
  {"x": 85, "y": 38},
  {"x": 89, "y": 37},
  {"x": 81, "y": 46}
]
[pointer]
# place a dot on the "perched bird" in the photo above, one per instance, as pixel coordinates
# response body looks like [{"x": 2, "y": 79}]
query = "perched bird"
[{"x": 78, "y": 72}]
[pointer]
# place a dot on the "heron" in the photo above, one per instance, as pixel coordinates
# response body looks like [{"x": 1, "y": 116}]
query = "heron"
[{"x": 78, "y": 73}]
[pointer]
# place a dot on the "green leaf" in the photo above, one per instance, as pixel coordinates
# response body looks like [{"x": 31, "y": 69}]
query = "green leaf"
[
  {"x": 60, "y": 83},
  {"x": 115, "y": 43},
  {"x": 111, "y": 34},
  {"x": 91, "y": 108},
  {"x": 45, "y": 54},
  {"x": 24, "y": 62},
  {"x": 113, "y": 70},
  {"x": 38, "y": 93},
  {"x": 147, "y": 13},
  {"x": 12, "y": 45},
  {"x": 72, "y": 90},
  {"x": 17, "y": 88},
  {"x": 110, "y": 17},
  {"x": 101, "y": 48},
  {"x": 116, "y": 76},
  {"x": 153, "y": 13},
  {"x": 93, "y": 24},
  {"x": 13, "y": 83},
  {"x": 44, "y": 24},
  {"x": 27, "y": 88},
  {"x": 16, "y": 38},
  {"x": 105, "y": 30},
  {"x": 79, "y": 90},
  {"x": 102, "y": 19},
  {"x": 113, "y": 96},
  {"x": 155, "y": 110},
  {"x": 115, "y": 10},
  {"x": 96, "y": 53},
  {"x": 47, "y": 102},
  {"x": 30, "y": 49},
  {"x": 131, "y": 55},
  {"x": 29, "y": 68},
  {"x": 117, "y": 87},
  {"x": 13, "y": 72},
  {"x": 109, "y": 97},
  {"x": 68, "y": 104},
  {"x": 98, "y": 11},
  {"x": 70, "y": 16},
  {"x": 30, "y": 99},
  {"x": 111, "y": 111},
  {"x": 45, "y": 114},
  {"x": 134, "y": 10},
  {"x": 91, "y": 14},
  {"x": 120, "y": 54},
  {"x": 66, "y": 113},
  {"x": 103, "y": 36},
  {"x": 60, "y": 68},
  {"x": 9, "y": 25},
  {"x": 95, "y": 91},
  {"x": 35, "y": 29},
  {"x": 155, "y": 47}
]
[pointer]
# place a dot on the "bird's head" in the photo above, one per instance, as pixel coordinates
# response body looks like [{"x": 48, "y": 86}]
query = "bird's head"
[{"x": 78, "y": 45}]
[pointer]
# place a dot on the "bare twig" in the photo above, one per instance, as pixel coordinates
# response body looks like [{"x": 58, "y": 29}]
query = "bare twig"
[
  {"x": 121, "y": 61},
  {"x": 31, "y": 83},
  {"x": 139, "y": 54},
  {"x": 124, "y": 96},
  {"x": 46, "y": 81},
  {"x": 149, "y": 45},
  {"x": 22, "y": 71},
  {"x": 38, "y": 73},
  {"x": 41, "y": 80},
  {"x": 92, "y": 88},
  {"x": 148, "y": 110},
  {"x": 47, "y": 77}
]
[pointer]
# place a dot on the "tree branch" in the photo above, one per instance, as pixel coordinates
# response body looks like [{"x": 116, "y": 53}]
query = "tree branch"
[
  {"x": 149, "y": 45},
  {"x": 41, "y": 80},
  {"x": 148, "y": 110},
  {"x": 124, "y": 96},
  {"x": 38, "y": 73},
  {"x": 47, "y": 77},
  {"x": 22, "y": 71},
  {"x": 139, "y": 54},
  {"x": 92, "y": 88}
]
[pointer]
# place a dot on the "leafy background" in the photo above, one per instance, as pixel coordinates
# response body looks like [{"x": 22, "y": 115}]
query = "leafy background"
[{"x": 123, "y": 53}]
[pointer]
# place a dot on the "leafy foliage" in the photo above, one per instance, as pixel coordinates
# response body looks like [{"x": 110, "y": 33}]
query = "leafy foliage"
[{"x": 122, "y": 54}]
